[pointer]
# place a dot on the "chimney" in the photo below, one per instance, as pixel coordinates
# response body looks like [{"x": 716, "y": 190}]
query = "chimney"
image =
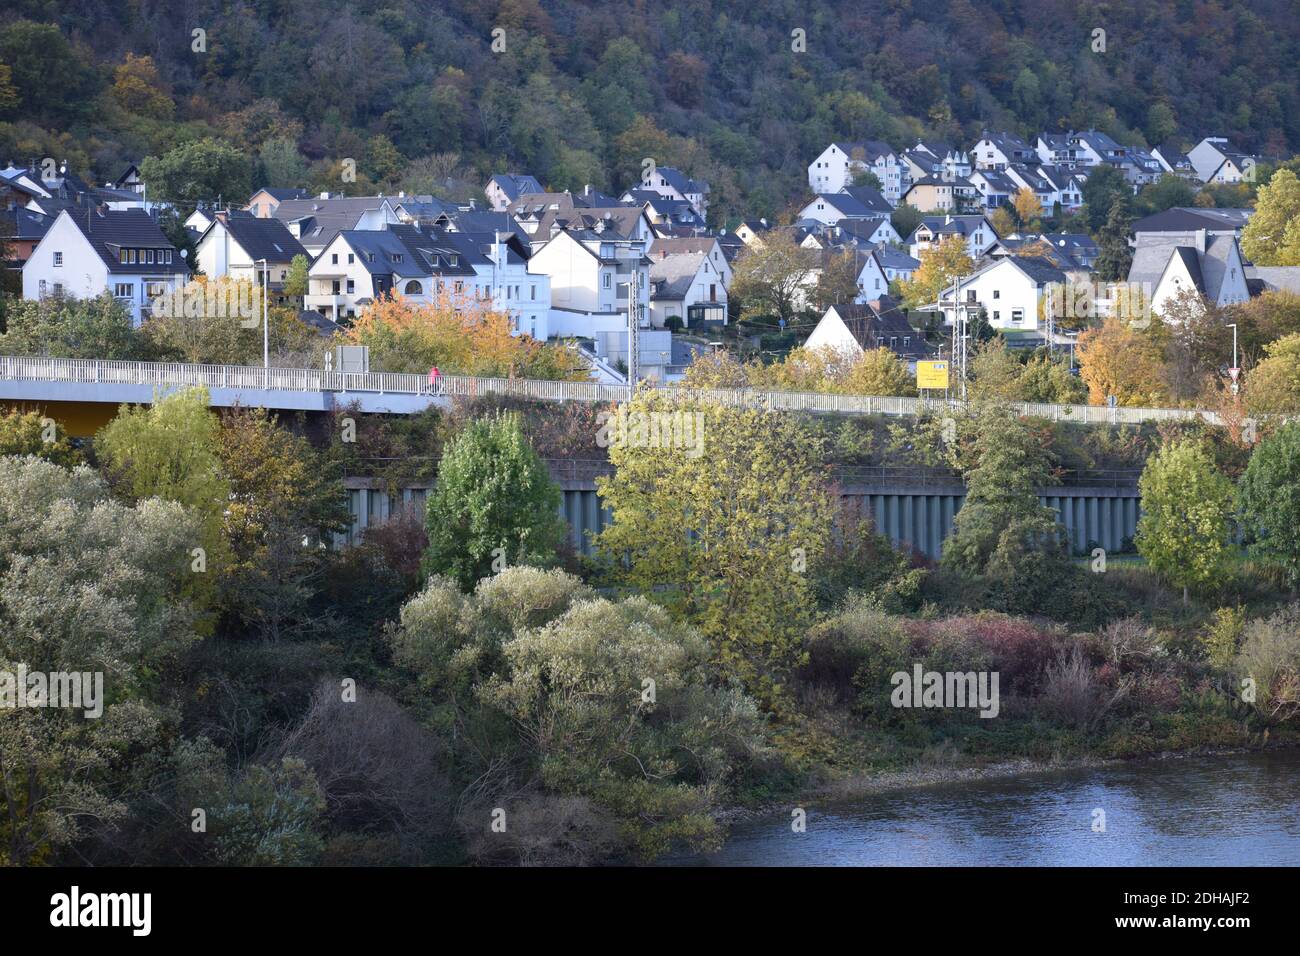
[{"x": 1201, "y": 240}]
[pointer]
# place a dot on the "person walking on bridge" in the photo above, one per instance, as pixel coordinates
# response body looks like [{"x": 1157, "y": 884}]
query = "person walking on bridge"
[{"x": 434, "y": 375}]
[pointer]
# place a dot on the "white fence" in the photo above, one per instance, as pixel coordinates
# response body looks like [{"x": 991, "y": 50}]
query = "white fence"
[{"x": 95, "y": 371}]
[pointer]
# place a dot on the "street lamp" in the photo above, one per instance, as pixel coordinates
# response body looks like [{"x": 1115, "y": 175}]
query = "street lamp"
[
  {"x": 1235, "y": 371},
  {"x": 266, "y": 333}
]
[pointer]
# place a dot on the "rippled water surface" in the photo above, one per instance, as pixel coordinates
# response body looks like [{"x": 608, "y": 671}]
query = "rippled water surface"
[{"x": 1240, "y": 810}]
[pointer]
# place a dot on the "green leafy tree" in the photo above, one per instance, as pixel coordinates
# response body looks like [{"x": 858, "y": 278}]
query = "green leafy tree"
[
  {"x": 295, "y": 283},
  {"x": 1105, "y": 184},
  {"x": 54, "y": 80},
  {"x": 65, "y": 327},
  {"x": 203, "y": 169},
  {"x": 1001, "y": 511},
  {"x": 1273, "y": 386},
  {"x": 730, "y": 521},
  {"x": 279, "y": 496},
  {"x": 1187, "y": 504},
  {"x": 1114, "y": 257},
  {"x": 1269, "y": 498},
  {"x": 494, "y": 504},
  {"x": 168, "y": 450},
  {"x": 1272, "y": 235}
]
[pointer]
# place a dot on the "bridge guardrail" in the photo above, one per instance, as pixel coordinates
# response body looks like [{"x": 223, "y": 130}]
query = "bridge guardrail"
[{"x": 104, "y": 371}]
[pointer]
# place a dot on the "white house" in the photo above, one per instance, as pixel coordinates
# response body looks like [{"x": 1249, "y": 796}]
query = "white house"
[
  {"x": 1009, "y": 290},
  {"x": 590, "y": 271},
  {"x": 1167, "y": 264},
  {"x": 504, "y": 188},
  {"x": 674, "y": 184},
  {"x": 686, "y": 285},
  {"x": 1216, "y": 160},
  {"x": 89, "y": 252},
  {"x": 1000, "y": 150},
  {"x": 835, "y": 168},
  {"x": 976, "y": 230},
  {"x": 360, "y": 266},
  {"x": 852, "y": 329},
  {"x": 708, "y": 245},
  {"x": 830, "y": 208},
  {"x": 246, "y": 248}
]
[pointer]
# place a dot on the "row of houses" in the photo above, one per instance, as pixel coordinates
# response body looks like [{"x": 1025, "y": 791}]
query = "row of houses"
[{"x": 935, "y": 176}]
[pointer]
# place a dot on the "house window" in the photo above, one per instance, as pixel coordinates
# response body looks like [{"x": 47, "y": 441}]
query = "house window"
[
  {"x": 58, "y": 259},
  {"x": 370, "y": 257},
  {"x": 334, "y": 258},
  {"x": 149, "y": 253},
  {"x": 997, "y": 316},
  {"x": 397, "y": 257},
  {"x": 122, "y": 256},
  {"x": 58, "y": 288},
  {"x": 533, "y": 292},
  {"x": 130, "y": 257},
  {"x": 168, "y": 253},
  {"x": 352, "y": 287},
  {"x": 607, "y": 280},
  {"x": 1017, "y": 315},
  {"x": 351, "y": 258},
  {"x": 122, "y": 290},
  {"x": 997, "y": 293}
]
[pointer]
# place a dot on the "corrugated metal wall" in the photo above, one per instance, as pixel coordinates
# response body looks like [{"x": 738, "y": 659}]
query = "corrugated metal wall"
[{"x": 1092, "y": 517}]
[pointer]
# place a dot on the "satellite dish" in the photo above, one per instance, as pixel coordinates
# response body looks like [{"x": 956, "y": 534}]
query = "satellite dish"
[{"x": 184, "y": 253}]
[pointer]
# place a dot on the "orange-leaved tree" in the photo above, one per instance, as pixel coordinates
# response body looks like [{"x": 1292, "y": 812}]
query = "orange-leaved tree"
[{"x": 461, "y": 334}]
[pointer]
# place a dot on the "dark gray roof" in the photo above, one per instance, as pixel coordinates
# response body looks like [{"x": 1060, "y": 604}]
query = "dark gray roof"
[
  {"x": 20, "y": 223},
  {"x": 1191, "y": 218},
  {"x": 515, "y": 185},
  {"x": 282, "y": 195},
  {"x": 870, "y": 198},
  {"x": 111, "y": 231},
  {"x": 874, "y": 324},
  {"x": 268, "y": 239}
]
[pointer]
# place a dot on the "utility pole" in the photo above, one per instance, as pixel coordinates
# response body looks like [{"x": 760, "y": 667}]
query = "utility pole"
[
  {"x": 633, "y": 354},
  {"x": 266, "y": 331}
]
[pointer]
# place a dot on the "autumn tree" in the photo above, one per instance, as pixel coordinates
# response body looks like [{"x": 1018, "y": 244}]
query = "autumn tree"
[
  {"x": 837, "y": 281},
  {"x": 138, "y": 88},
  {"x": 1273, "y": 386},
  {"x": 772, "y": 280},
  {"x": 1124, "y": 362},
  {"x": 1029, "y": 209},
  {"x": 940, "y": 264},
  {"x": 729, "y": 523},
  {"x": 458, "y": 333},
  {"x": 31, "y": 433}
]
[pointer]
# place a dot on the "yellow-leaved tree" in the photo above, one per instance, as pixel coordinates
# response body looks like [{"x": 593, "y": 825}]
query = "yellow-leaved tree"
[{"x": 461, "y": 334}]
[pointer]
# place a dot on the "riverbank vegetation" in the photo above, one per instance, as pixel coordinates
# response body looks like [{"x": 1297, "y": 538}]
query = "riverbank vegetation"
[{"x": 461, "y": 686}]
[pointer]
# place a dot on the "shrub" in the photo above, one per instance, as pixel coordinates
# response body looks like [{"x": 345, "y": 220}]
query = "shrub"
[{"x": 1270, "y": 655}]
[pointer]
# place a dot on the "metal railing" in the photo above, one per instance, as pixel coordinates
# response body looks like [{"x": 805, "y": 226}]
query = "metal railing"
[{"x": 108, "y": 372}]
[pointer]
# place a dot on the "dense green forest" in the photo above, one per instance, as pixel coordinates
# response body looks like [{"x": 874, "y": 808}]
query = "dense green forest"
[{"x": 581, "y": 92}]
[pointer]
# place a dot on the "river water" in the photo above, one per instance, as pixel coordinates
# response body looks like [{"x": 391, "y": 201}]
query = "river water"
[{"x": 1235, "y": 810}]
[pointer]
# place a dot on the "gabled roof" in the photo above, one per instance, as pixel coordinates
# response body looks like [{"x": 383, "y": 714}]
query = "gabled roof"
[
  {"x": 891, "y": 258},
  {"x": 873, "y": 324},
  {"x": 322, "y": 219},
  {"x": 515, "y": 185},
  {"x": 24, "y": 224},
  {"x": 111, "y": 231},
  {"x": 281, "y": 195},
  {"x": 867, "y": 151},
  {"x": 848, "y": 205},
  {"x": 268, "y": 239},
  {"x": 679, "y": 181},
  {"x": 1191, "y": 218},
  {"x": 962, "y": 225},
  {"x": 671, "y": 276},
  {"x": 1209, "y": 269}
]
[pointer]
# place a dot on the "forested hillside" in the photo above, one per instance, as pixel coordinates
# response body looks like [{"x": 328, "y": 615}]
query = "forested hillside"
[{"x": 583, "y": 91}]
